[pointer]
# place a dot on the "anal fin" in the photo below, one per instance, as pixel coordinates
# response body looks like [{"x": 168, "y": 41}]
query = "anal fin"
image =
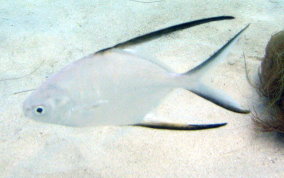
[{"x": 172, "y": 126}]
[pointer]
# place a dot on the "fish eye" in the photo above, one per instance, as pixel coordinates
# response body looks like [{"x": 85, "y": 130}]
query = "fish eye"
[{"x": 39, "y": 110}]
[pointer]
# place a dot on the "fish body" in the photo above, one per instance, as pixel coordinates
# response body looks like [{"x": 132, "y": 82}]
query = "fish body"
[
  {"x": 105, "y": 89},
  {"x": 115, "y": 87}
]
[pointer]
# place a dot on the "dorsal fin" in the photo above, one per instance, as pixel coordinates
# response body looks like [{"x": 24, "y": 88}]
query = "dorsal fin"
[{"x": 164, "y": 31}]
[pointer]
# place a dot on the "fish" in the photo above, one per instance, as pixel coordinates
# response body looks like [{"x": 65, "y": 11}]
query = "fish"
[{"x": 114, "y": 86}]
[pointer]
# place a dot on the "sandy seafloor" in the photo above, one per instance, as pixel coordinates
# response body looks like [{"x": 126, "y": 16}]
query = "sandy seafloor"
[{"x": 47, "y": 35}]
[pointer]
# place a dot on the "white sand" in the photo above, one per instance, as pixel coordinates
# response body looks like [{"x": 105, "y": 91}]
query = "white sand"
[{"x": 57, "y": 33}]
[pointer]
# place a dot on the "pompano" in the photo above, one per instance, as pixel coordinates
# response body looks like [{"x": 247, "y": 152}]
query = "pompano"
[{"x": 115, "y": 87}]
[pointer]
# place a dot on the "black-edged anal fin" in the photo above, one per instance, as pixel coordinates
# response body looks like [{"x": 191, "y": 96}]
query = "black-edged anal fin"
[
  {"x": 164, "y": 31},
  {"x": 171, "y": 126}
]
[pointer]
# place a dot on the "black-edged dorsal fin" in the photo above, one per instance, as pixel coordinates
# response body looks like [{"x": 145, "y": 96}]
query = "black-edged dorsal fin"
[{"x": 164, "y": 31}]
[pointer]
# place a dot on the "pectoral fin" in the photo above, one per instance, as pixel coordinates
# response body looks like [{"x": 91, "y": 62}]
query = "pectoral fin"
[{"x": 173, "y": 126}]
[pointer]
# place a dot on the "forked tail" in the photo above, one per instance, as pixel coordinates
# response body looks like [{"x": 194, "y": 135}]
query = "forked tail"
[{"x": 213, "y": 95}]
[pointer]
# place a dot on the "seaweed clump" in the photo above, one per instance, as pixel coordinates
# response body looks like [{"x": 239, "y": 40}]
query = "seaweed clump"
[{"x": 272, "y": 84}]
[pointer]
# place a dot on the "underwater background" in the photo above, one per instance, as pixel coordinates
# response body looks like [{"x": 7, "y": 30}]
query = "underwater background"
[{"x": 38, "y": 38}]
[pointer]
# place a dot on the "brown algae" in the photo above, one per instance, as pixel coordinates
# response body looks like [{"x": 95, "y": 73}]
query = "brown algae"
[{"x": 272, "y": 84}]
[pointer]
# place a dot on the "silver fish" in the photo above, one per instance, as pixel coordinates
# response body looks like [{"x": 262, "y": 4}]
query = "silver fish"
[{"x": 115, "y": 87}]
